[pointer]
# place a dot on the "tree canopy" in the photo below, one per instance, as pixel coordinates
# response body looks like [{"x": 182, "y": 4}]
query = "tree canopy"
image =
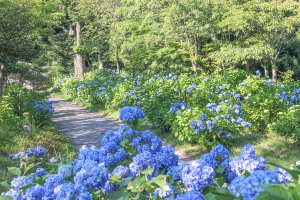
[{"x": 188, "y": 36}]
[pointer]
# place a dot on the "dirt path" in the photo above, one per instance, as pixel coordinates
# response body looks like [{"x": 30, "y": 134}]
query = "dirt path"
[{"x": 84, "y": 126}]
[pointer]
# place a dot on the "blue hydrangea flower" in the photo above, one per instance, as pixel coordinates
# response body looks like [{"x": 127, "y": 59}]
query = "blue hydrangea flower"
[
  {"x": 34, "y": 192},
  {"x": 166, "y": 157},
  {"x": 282, "y": 175},
  {"x": 51, "y": 183},
  {"x": 92, "y": 176},
  {"x": 110, "y": 136},
  {"x": 130, "y": 114},
  {"x": 248, "y": 152},
  {"x": 190, "y": 88},
  {"x": 165, "y": 193},
  {"x": 147, "y": 142},
  {"x": 190, "y": 195},
  {"x": 219, "y": 153},
  {"x": 209, "y": 160},
  {"x": 81, "y": 192},
  {"x": 143, "y": 161},
  {"x": 293, "y": 98},
  {"x": 197, "y": 176},
  {"x": 41, "y": 172},
  {"x": 235, "y": 187},
  {"x": 176, "y": 170},
  {"x": 177, "y": 106},
  {"x": 193, "y": 125},
  {"x": 111, "y": 154},
  {"x": 64, "y": 191},
  {"x": 251, "y": 185},
  {"x": 203, "y": 116},
  {"x": 258, "y": 73},
  {"x": 66, "y": 170}
]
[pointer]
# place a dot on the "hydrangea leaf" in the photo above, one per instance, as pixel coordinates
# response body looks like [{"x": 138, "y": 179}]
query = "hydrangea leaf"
[
  {"x": 220, "y": 169},
  {"x": 140, "y": 197},
  {"x": 5, "y": 184},
  {"x": 15, "y": 171},
  {"x": 118, "y": 195},
  {"x": 278, "y": 191},
  {"x": 161, "y": 183},
  {"x": 147, "y": 171},
  {"x": 114, "y": 179},
  {"x": 125, "y": 181},
  {"x": 209, "y": 196},
  {"x": 265, "y": 196},
  {"x": 137, "y": 184},
  {"x": 6, "y": 198},
  {"x": 27, "y": 186}
]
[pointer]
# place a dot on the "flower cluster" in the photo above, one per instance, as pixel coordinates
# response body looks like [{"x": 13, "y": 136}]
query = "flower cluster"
[
  {"x": 130, "y": 114},
  {"x": 177, "y": 106},
  {"x": 39, "y": 151},
  {"x": 247, "y": 161},
  {"x": 43, "y": 105},
  {"x": 249, "y": 187},
  {"x": 94, "y": 169},
  {"x": 197, "y": 176},
  {"x": 191, "y": 88}
]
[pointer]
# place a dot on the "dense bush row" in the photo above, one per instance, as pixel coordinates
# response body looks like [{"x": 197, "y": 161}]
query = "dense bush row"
[
  {"x": 200, "y": 109},
  {"x": 133, "y": 164}
]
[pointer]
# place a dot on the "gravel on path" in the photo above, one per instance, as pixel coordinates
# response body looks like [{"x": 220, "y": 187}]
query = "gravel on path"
[{"x": 86, "y": 127}]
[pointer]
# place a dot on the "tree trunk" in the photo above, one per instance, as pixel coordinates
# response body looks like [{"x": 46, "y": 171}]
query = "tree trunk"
[
  {"x": 274, "y": 75},
  {"x": 79, "y": 64},
  {"x": 1, "y": 80},
  {"x": 117, "y": 61},
  {"x": 247, "y": 67},
  {"x": 75, "y": 67},
  {"x": 194, "y": 65},
  {"x": 223, "y": 66},
  {"x": 274, "y": 70},
  {"x": 100, "y": 61},
  {"x": 266, "y": 70}
]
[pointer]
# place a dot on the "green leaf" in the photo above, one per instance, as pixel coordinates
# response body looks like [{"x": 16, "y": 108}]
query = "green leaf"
[
  {"x": 162, "y": 183},
  {"x": 27, "y": 186},
  {"x": 137, "y": 184},
  {"x": 278, "y": 190},
  {"x": 220, "y": 169},
  {"x": 114, "y": 179},
  {"x": 147, "y": 171},
  {"x": 6, "y": 197},
  {"x": 118, "y": 195},
  {"x": 263, "y": 196},
  {"x": 209, "y": 196},
  {"x": 15, "y": 171},
  {"x": 125, "y": 182},
  {"x": 31, "y": 166},
  {"x": 140, "y": 196},
  {"x": 220, "y": 180},
  {"x": 5, "y": 184}
]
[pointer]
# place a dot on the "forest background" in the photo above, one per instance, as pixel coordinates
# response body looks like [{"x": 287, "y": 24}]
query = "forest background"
[{"x": 166, "y": 36}]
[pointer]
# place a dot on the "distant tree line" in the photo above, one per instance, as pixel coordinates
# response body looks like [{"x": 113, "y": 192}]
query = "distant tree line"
[{"x": 159, "y": 36}]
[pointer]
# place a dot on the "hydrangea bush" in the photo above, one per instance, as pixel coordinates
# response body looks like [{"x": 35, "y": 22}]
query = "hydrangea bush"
[
  {"x": 231, "y": 101},
  {"x": 133, "y": 164}
]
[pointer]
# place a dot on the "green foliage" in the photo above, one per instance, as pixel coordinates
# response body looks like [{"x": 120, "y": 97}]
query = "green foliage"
[{"x": 287, "y": 123}]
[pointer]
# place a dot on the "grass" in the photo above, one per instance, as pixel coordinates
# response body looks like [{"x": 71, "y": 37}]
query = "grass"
[
  {"x": 48, "y": 137},
  {"x": 268, "y": 145}
]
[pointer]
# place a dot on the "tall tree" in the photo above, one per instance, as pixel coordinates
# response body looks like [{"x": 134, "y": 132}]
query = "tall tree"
[
  {"x": 19, "y": 34},
  {"x": 277, "y": 23}
]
